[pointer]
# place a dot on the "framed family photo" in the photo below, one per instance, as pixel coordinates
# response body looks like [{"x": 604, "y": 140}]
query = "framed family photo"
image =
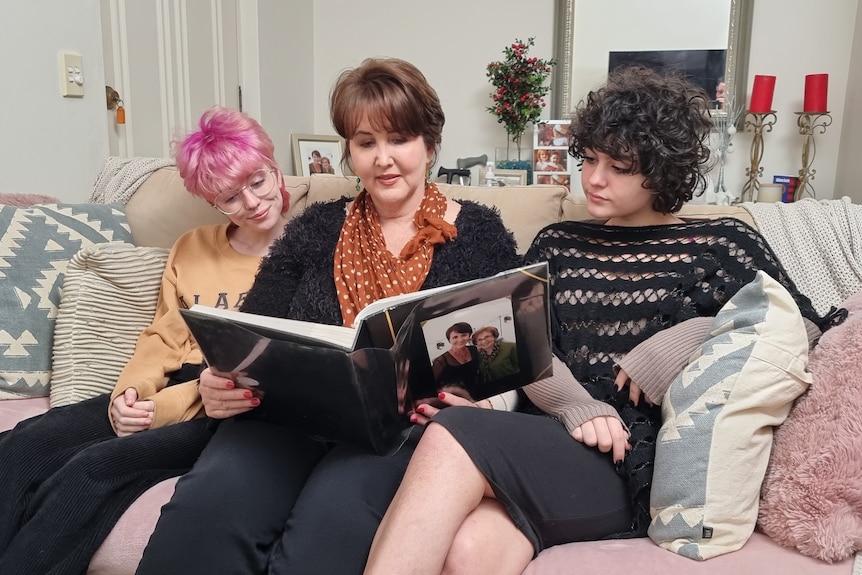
[
  {"x": 317, "y": 154},
  {"x": 551, "y": 162}
]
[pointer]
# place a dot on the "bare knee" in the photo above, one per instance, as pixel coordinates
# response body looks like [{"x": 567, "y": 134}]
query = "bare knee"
[
  {"x": 488, "y": 543},
  {"x": 436, "y": 436},
  {"x": 465, "y": 552}
]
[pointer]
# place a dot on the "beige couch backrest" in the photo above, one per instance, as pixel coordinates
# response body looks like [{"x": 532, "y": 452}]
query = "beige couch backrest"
[
  {"x": 524, "y": 209},
  {"x": 162, "y": 209}
]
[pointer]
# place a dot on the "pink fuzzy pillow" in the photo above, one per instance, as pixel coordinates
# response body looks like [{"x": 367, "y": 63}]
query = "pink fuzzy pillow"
[{"x": 811, "y": 498}]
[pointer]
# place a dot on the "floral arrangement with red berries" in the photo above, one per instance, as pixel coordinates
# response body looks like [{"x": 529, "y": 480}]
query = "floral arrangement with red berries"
[{"x": 520, "y": 88}]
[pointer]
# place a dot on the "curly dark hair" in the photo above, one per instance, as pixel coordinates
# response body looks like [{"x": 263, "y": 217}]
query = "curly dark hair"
[{"x": 658, "y": 122}]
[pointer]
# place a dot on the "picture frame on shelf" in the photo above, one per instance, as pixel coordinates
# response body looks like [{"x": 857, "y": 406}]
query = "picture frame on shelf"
[
  {"x": 555, "y": 179},
  {"x": 551, "y": 161},
  {"x": 316, "y": 154},
  {"x": 552, "y": 134},
  {"x": 505, "y": 177}
]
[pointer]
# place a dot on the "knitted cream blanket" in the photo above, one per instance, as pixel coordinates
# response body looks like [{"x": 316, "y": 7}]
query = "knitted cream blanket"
[
  {"x": 819, "y": 243},
  {"x": 121, "y": 177}
]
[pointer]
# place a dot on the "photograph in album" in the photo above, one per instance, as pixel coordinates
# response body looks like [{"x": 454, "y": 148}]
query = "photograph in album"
[{"x": 475, "y": 339}]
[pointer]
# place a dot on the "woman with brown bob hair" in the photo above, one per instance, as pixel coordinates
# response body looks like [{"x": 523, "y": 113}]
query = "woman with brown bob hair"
[{"x": 264, "y": 497}]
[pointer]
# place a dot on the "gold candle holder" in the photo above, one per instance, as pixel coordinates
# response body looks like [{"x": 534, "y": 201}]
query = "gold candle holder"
[
  {"x": 808, "y": 122},
  {"x": 758, "y": 122}
]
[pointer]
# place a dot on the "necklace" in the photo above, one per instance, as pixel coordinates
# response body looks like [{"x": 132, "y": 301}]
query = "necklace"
[{"x": 462, "y": 355}]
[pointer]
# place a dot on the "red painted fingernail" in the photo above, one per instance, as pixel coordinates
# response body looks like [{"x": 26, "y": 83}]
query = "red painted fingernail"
[
  {"x": 413, "y": 419},
  {"x": 230, "y": 385},
  {"x": 247, "y": 394},
  {"x": 255, "y": 401},
  {"x": 420, "y": 409},
  {"x": 441, "y": 395}
]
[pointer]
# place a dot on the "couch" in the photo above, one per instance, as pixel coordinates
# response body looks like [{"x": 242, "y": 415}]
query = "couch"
[{"x": 160, "y": 209}]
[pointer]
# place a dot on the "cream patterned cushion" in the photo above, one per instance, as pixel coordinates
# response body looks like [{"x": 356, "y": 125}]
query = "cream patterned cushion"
[
  {"x": 718, "y": 417},
  {"x": 36, "y": 244},
  {"x": 109, "y": 297}
]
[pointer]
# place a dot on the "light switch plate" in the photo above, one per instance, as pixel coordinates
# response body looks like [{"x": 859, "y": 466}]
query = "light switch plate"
[{"x": 71, "y": 75}]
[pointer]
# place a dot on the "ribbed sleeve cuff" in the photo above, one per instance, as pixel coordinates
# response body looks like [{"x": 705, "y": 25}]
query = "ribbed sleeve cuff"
[
  {"x": 575, "y": 416},
  {"x": 654, "y": 363}
]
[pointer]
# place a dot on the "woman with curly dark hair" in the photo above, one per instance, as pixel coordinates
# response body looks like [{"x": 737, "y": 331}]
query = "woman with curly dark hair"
[{"x": 633, "y": 294}]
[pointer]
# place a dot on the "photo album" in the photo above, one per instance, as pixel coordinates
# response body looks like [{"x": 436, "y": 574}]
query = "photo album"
[{"x": 358, "y": 384}]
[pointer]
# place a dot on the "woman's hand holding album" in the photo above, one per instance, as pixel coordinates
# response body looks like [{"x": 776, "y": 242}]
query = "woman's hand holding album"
[{"x": 222, "y": 398}]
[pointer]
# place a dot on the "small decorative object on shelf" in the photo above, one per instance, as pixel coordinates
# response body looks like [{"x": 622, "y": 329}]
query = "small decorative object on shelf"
[
  {"x": 790, "y": 184},
  {"x": 814, "y": 116},
  {"x": 519, "y": 97}
]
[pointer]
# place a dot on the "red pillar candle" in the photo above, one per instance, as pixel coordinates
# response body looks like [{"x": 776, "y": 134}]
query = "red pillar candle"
[
  {"x": 761, "y": 94},
  {"x": 816, "y": 86}
]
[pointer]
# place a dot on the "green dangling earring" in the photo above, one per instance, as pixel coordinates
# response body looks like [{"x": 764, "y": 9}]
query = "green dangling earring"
[
  {"x": 428, "y": 180},
  {"x": 358, "y": 186}
]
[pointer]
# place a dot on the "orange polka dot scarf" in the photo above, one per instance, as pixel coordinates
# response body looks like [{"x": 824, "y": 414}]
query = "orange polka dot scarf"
[{"x": 365, "y": 271}]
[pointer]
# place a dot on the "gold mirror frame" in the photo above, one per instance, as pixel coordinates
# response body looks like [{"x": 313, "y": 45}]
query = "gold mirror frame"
[{"x": 735, "y": 68}]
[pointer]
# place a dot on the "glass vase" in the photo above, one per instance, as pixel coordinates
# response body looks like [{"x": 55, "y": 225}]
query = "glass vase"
[{"x": 515, "y": 157}]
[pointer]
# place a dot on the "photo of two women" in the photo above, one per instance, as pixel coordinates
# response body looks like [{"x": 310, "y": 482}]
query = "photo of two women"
[{"x": 478, "y": 348}]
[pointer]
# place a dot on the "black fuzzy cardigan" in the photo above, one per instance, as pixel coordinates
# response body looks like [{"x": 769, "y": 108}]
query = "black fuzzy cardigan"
[{"x": 296, "y": 279}]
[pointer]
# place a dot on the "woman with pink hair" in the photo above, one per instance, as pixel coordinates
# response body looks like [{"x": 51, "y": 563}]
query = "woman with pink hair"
[{"x": 69, "y": 474}]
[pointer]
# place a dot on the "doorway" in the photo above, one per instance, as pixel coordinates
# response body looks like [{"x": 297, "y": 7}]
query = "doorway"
[{"x": 169, "y": 60}]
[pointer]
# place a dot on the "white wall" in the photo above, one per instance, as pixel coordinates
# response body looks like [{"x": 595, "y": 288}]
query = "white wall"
[
  {"x": 790, "y": 38},
  {"x": 53, "y": 145},
  {"x": 451, "y": 41},
  {"x": 287, "y": 95},
  {"x": 50, "y": 144}
]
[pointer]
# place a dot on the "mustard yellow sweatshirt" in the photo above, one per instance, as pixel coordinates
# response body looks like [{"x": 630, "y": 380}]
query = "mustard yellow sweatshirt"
[{"x": 202, "y": 268}]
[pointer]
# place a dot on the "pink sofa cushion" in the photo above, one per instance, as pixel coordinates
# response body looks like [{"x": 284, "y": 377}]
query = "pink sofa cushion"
[
  {"x": 122, "y": 550},
  {"x": 760, "y": 555},
  {"x": 14, "y": 410}
]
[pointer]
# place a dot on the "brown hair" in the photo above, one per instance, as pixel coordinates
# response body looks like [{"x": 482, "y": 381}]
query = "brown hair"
[{"x": 394, "y": 95}]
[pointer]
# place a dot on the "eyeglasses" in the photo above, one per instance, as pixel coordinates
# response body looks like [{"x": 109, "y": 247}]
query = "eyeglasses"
[{"x": 260, "y": 184}]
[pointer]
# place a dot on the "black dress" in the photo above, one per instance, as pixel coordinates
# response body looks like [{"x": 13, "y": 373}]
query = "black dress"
[{"x": 448, "y": 372}]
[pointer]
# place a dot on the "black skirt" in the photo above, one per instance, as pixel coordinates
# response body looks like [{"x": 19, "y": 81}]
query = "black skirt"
[{"x": 555, "y": 489}]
